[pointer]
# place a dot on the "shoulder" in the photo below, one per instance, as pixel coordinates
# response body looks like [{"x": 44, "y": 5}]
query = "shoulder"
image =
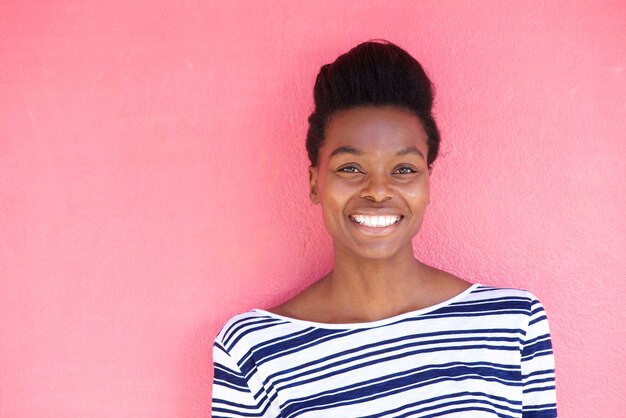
[
  {"x": 503, "y": 292},
  {"x": 521, "y": 300},
  {"x": 239, "y": 323},
  {"x": 244, "y": 331}
]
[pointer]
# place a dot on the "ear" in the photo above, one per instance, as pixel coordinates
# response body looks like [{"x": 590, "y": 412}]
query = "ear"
[
  {"x": 430, "y": 169},
  {"x": 313, "y": 181}
]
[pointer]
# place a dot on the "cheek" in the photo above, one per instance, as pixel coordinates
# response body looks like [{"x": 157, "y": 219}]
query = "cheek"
[
  {"x": 332, "y": 205},
  {"x": 335, "y": 192},
  {"x": 419, "y": 195},
  {"x": 335, "y": 198}
]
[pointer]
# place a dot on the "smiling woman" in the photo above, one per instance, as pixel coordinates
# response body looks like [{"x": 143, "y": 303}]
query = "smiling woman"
[{"x": 383, "y": 334}]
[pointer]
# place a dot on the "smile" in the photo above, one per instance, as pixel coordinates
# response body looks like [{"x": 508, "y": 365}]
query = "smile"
[{"x": 376, "y": 221}]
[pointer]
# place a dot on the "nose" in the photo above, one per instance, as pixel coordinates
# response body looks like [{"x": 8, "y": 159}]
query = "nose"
[{"x": 377, "y": 188}]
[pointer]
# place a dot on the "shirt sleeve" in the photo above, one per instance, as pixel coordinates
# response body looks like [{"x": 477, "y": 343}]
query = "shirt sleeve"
[
  {"x": 539, "y": 389},
  {"x": 232, "y": 396}
]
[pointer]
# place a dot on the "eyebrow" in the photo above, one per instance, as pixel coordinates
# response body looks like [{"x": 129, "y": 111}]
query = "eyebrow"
[
  {"x": 355, "y": 151},
  {"x": 346, "y": 150},
  {"x": 410, "y": 150}
]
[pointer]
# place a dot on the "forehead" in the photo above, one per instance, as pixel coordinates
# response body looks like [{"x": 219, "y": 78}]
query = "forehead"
[{"x": 375, "y": 129}]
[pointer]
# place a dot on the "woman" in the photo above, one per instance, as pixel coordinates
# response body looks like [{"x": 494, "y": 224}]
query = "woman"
[{"x": 383, "y": 334}]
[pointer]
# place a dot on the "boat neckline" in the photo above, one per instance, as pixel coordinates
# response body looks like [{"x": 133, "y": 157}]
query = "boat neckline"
[{"x": 371, "y": 324}]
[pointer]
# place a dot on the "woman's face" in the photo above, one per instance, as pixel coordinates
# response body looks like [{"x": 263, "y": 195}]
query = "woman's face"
[{"x": 372, "y": 180}]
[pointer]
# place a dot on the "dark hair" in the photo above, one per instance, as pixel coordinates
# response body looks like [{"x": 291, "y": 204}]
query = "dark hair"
[{"x": 375, "y": 73}]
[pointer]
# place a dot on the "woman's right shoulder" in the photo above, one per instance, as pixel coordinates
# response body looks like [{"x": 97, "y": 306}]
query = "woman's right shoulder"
[{"x": 248, "y": 328}]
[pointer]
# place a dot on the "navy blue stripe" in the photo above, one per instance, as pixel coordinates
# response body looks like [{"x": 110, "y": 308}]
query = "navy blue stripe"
[
  {"x": 537, "y": 381},
  {"x": 538, "y": 319},
  {"x": 541, "y": 389},
  {"x": 538, "y": 354},
  {"x": 547, "y": 413},
  {"x": 517, "y": 301},
  {"x": 538, "y": 373}
]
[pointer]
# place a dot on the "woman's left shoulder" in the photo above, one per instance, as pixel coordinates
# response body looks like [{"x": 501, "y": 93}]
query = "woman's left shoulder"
[
  {"x": 503, "y": 291},
  {"x": 523, "y": 297}
]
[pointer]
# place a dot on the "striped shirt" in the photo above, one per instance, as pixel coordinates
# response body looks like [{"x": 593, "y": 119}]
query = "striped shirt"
[{"x": 483, "y": 353}]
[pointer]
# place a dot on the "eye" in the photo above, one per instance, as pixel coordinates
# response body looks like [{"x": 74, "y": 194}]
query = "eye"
[
  {"x": 349, "y": 169},
  {"x": 405, "y": 170}
]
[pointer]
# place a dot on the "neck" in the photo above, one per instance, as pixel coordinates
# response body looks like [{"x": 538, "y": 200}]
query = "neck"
[{"x": 371, "y": 289}]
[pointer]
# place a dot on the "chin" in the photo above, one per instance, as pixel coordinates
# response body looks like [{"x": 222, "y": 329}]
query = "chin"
[{"x": 380, "y": 252}]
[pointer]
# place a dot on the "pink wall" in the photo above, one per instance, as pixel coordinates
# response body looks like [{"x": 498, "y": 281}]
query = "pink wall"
[{"x": 153, "y": 182}]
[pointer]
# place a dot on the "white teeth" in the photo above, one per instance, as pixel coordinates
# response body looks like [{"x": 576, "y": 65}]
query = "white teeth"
[{"x": 375, "y": 221}]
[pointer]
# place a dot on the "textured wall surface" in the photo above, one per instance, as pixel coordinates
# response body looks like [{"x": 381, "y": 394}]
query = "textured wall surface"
[{"x": 153, "y": 182}]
